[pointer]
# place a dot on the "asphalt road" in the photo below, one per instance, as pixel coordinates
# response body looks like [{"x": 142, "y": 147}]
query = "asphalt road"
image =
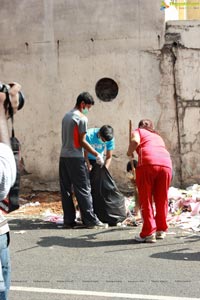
[{"x": 52, "y": 263}]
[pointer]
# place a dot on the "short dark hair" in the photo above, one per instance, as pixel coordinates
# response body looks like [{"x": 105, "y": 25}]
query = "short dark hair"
[
  {"x": 106, "y": 132},
  {"x": 86, "y": 98}
]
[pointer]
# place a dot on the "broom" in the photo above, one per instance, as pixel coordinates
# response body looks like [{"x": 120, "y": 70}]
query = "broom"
[{"x": 134, "y": 174}]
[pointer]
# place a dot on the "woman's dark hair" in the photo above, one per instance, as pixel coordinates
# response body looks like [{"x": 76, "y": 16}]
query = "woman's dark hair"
[
  {"x": 106, "y": 132},
  {"x": 86, "y": 98},
  {"x": 129, "y": 166},
  {"x": 146, "y": 124}
]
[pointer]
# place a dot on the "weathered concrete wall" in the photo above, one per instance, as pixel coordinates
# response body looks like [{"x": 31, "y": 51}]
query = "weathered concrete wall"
[
  {"x": 167, "y": 121},
  {"x": 183, "y": 44},
  {"x": 59, "y": 48}
]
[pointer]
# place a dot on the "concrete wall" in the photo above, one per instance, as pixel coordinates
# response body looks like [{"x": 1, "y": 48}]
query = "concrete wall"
[
  {"x": 59, "y": 48},
  {"x": 183, "y": 40}
]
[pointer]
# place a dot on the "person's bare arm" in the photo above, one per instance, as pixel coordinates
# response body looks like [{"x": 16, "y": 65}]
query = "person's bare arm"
[
  {"x": 4, "y": 133},
  {"x": 87, "y": 160},
  {"x": 135, "y": 141},
  {"x": 14, "y": 95},
  {"x": 86, "y": 145}
]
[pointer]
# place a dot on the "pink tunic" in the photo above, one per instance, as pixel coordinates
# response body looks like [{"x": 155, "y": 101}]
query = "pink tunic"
[{"x": 152, "y": 150}]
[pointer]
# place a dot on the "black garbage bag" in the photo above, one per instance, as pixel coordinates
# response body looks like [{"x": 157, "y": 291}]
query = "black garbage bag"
[{"x": 108, "y": 201}]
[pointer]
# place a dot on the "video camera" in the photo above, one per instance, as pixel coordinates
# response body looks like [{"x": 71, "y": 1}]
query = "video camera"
[
  {"x": 4, "y": 88},
  {"x": 11, "y": 203}
]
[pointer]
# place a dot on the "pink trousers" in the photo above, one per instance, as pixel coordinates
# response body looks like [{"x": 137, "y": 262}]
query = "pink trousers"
[{"x": 153, "y": 184}]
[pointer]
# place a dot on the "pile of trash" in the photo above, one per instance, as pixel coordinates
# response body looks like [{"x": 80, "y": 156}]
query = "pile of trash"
[
  {"x": 183, "y": 212},
  {"x": 184, "y": 200},
  {"x": 184, "y": 207}
]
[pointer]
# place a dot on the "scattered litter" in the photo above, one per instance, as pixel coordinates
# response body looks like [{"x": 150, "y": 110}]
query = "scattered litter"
[
  {"x": 32, "y": 204},
  {"x": 59, "y": 226},
  {"x": 171, "y": 233},
  {"x": 35, "y": 204},
  {"x": 20, "y": 232},
  {"x": 184, "y": 207},
  {"x": 48, "y": 216}
]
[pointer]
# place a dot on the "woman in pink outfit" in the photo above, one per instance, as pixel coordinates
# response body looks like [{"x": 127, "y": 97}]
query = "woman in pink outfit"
[{"x": 153, "y": 177}]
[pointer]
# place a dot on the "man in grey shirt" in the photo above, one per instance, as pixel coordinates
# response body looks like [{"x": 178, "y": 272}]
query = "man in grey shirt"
[{"x": 73, "y": 172}]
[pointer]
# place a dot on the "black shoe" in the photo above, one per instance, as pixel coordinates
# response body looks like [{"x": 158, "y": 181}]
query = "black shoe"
[{"x": 69, "y": 225}]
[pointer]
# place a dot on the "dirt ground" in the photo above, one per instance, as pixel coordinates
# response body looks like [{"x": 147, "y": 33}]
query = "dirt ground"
[
  {"x": 48, "y": 204},
  {"x": 38, "y": 203}
]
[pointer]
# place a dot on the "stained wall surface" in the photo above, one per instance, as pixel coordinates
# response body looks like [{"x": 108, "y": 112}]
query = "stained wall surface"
[
  {"x": 59, "y": 48},
  {"x": 183, "y": 40}
]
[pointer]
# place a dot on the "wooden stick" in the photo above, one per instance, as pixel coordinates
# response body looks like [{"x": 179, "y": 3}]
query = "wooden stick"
[
  {"x": 130, "y": 130},
  {"x": 137, "y": 206},
  {"x": 131, "y": 159}
]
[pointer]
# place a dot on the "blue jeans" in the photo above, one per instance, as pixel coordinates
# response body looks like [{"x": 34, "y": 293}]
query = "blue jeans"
[{"x": 4, "y": 267}]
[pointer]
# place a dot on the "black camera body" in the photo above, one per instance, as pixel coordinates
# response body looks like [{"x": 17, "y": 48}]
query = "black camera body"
[{"x": 4, "y": 88}]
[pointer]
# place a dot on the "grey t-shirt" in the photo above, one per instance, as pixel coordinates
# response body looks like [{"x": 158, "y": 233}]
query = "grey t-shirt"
[{"x": 73, "y": 123}]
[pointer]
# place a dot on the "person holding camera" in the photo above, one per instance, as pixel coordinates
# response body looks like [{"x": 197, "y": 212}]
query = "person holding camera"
[
  {"x": 9, "y": 100},
  {"x": 73, "y": 172}
]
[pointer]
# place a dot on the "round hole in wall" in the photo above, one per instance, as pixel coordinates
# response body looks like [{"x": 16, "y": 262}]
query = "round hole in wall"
[{"x": 106, "y": 89}]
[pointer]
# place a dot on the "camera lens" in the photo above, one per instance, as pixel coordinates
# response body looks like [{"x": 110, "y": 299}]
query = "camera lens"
[{"x": 21, "y": 100}]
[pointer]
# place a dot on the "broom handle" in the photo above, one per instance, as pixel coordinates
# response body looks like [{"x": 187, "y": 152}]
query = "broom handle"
[{"x": 131, "y": 159}]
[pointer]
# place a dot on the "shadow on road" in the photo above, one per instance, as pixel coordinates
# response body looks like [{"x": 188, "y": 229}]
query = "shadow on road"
[
  {"x": 30, "y": 224},
  {"x": 182, "y": 253},
  {"x": 89, "y": 238}
]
